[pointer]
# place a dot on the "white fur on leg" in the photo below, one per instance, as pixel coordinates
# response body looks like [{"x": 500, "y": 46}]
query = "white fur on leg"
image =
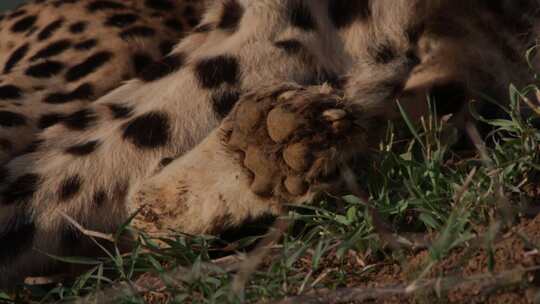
[{"x": 204, "y": 191}]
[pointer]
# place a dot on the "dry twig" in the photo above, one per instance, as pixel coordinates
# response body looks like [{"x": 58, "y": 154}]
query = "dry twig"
[{"x": 89, "y": 233}]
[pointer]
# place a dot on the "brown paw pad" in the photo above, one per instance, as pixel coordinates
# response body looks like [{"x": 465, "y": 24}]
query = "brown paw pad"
[
  {"x": 281, "y": 123},
  {"x": 290, "y": 141}
]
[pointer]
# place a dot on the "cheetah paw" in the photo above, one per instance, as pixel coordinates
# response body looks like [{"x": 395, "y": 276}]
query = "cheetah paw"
[{"x": 291, "y": 140}]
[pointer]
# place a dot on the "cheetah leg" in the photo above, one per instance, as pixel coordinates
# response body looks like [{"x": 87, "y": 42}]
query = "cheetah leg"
[{"x": 277, "y": 146}]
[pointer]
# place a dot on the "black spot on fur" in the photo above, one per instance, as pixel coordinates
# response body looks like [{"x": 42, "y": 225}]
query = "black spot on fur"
[
  {"x": 384, "y": 54},
  {"x": 137, "y": 31},
  {"x": 83, "y": 149},
  {"x": 163, "y": 67},
  {"x": 290, "y": 46},
  {"x": 345, "y": 12},
  {"x": 300, "y": 15},
  {"x": 11, "y": 119},
  {"x": 15, "y": 57},
  {"x": 231, "y": 15},
  {"x": 85, "y": 45},
  {"x": 50, "y": 29},
  {"x": 141, "y": 61},
  {"x": 59, "y": 3},
  {"x": 164, "y": 5},
  {"x": 52, "y": 49},
  {"x": 78, "y": 27},
  {"x": 88, "y": 66},
  {"x": 69, "y": 187},
  {"x": 150, "y": 130},
  {"x": 121, "y": 20},
  {"x": 19, "y": 235},
  {"x": 80, "y": 120},
  {"x": 49, "y": 119},
  {"x": 45, "y": 69},
  {"x": 16, "y": 14},
  {"x": 104, "y": 5},
  {"x": 9, "y": 91},
  {"x": 83, "y": 92},
  {"x": 99, "y": 198},
  {"x": 223, "y": 102},
  {"x": 21, "y": 190},
  {"x": 120, "y": 111},
  {"x": 24, "y": 24},
  {"x": 215, "y": 71}
]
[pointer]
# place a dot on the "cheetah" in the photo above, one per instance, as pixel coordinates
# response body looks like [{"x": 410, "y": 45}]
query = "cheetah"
[{"x": 198, "y": 115}]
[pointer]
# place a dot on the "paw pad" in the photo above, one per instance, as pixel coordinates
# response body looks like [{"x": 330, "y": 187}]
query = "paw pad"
[
  {"x": 281, "y": 124},
  {"x": 297, "y": 156},
  {"x": 290, "y": 140}
]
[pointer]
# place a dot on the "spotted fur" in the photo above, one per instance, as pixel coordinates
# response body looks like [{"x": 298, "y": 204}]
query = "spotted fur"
[{"x": 99, "y": 120}]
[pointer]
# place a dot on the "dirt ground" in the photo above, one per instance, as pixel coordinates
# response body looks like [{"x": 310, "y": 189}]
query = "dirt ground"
[{"x": 508, "y": 273}]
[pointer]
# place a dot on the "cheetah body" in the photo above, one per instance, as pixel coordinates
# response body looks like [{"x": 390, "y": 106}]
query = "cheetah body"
[{"x": 252, "y": 108}]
